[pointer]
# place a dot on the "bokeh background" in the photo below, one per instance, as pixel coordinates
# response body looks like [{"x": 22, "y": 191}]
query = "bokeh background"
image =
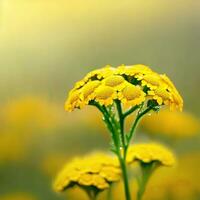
[{"x": 47, "y": 45}]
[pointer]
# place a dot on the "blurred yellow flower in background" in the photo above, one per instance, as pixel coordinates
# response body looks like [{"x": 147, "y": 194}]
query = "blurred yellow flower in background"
[
  {"x": 31, "y": 112},
  {"x": 24, "y": 119},
  {"x": 17, "y": 196},
  {"x": 176, "y": 184},
  {"x": 190, "y": 165},
  {"x": 12, "y": 148},
  {"x": 93, "y": 172},
  {"x": 150, "y": 152},
  {"x": 171, "y": 124}
]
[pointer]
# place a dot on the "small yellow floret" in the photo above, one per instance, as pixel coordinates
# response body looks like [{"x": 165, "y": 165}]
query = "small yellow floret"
[
  {"x": 115, "y": 81},
  {"x": 100, "y": 73},
  {"x": 87, "y": 91},
  {"x": 151, "y": 80},
  {"x": 131, "y": 95},
  {"x": 73, "y": 100},
  {"x": 105, "y": 95},
  {"x": 177, "y": 101},
  {"x": 161, "y": 95}
]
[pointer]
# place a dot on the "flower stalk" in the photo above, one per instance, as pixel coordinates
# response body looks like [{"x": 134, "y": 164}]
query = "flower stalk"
[
  {"x": 122, "y": 140},
  {"x": 146, "y": 172}
]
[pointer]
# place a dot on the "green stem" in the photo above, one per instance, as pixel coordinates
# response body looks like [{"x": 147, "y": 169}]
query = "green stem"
[
  {"x": 125, "y": 178},
  {"x": 131, "y": 110},
  {"x": 140, "y": 193},
  {"x": 110, "y": 124},
  {"x": 138, "y": 117},
  {"x": 115, "y": 124},
  {"x": 121, "y": 122},
  {"x": 117, "y": 130},
  {"x": 147, "y": 170},
  {"x": 109, "y": 194},
  {"x": 142, "y": 186},
  {"x": 91, "y": 194},
  {"x": 122, "y": 159}
]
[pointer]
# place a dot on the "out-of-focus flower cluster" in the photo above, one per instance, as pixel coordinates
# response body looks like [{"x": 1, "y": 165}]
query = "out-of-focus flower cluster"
[
  {"x": 98, "y": 170},
  {"x": 171, "y": 124},
  {"x": 150, "y": 152},
  {"x": 22, "y": 120}
]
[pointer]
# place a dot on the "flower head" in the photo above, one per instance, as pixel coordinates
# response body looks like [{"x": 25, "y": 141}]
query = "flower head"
[
  {"x": 132, "y": 85},
  {"x": 150, "y": 152},
  {"x": 96, "y": 170}
]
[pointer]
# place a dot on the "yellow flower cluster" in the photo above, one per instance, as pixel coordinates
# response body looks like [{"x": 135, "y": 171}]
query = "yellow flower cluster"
[
  {"x": 171, "y": 124},
  {"x": 147, "y": 153},
  {"x": 97, "y": 170},
  {"x": 132, "y": 85}
]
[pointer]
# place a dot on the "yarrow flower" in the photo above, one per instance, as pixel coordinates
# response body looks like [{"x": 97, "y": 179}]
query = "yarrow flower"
[
  {"x": 117, "y": 93},
  {"x": 132, "y": 85},
  {"x": 95, "y": 171},
  {"x": 150, "y": 152}
]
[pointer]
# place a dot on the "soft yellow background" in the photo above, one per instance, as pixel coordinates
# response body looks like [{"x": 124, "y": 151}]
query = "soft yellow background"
[{"x": 48, "y": 44}]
